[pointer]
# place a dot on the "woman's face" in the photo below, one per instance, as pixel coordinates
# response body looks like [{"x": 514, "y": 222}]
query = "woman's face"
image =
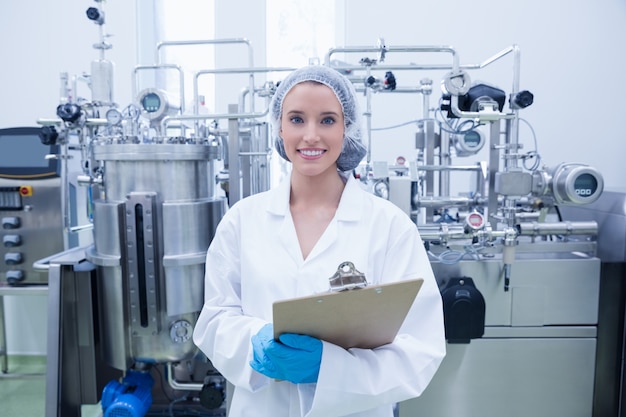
[{"x": 312, "y": 128}]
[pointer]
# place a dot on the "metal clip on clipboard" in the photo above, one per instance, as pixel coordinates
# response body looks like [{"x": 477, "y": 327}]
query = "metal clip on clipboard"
[{"x": 347, "y": 278}]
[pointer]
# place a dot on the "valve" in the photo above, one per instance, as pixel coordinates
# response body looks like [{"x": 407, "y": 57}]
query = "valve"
[
  {"x": 95, "y": 15},
  {"x": 390, "y": 81},
  {"x": 48, "y": 135},
  {"x": 522, "y": 99},
  {"x": 69, "y": 112}
]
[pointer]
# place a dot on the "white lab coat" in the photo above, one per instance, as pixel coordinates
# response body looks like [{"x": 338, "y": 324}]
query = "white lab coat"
[{"x": 255, "y": 259}]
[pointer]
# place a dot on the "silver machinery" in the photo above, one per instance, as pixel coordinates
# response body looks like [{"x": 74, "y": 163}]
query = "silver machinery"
[
  {"x": 32, "y": 200},
  {"x": 160, "y": 177},
  {"x": 520, "y": 284}
]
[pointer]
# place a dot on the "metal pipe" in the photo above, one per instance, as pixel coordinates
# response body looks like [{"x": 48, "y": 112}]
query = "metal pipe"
[
  {"x": 181, "y": 386},
  {"x": 561, "y": 228},
  {"x": 435, "y": 202},
  {"x": 250, "y": 71},
  {"x": 368, "y": 116},
  {"x": 167, "y": 119},
  {"x": 76, "y": 229},
  {"x": 243, "y": 70},
  {"x": 446, "y": 232},
  {"x": 513, "y": 124},
  {"x": 497, "y": 56},
  {"x": 481, "y": 65},
  {"x": 245, "y": 41},
  {"x": 59, "y": 122},
  {"x": 445, "y": 160},
  {"x": 448, "y": 168},
  {"x": 420, "y": 90},
  {"x": 355, "y": 49}
]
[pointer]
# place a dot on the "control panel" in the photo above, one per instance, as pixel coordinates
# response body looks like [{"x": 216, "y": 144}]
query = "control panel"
[
  {"x": 30, "y": 206},
  {"x": 31, "y": 227}
]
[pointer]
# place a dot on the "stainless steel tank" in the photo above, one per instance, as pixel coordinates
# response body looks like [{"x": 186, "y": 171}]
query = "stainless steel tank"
[{"x": 153, "y": 223}]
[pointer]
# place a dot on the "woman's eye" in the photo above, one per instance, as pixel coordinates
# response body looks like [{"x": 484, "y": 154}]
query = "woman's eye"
[
  {"x": 328, "y": 121},
  {"x": 296, "y": 119}
]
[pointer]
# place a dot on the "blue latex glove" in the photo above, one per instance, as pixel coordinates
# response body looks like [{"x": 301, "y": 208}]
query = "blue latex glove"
[
  {"x": 296, "y": 358},
  {"x": 260, "y": 361}
]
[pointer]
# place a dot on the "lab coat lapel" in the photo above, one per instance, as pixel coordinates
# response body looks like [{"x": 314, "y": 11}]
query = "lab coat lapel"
[
  {"x": 285, "y": 229},
  {"x": 349, "y": 210}
]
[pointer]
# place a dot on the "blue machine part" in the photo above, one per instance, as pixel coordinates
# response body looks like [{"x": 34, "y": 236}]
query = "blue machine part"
[{"x": 130, "y": 398}]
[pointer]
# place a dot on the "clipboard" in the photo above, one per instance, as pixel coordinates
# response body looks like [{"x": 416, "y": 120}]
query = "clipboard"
[{"x": 363, "y": 318}]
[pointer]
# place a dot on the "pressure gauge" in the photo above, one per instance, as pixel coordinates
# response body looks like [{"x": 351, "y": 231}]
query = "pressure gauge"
[
  {"x": 114, "y": 117},
  {"x": 474, "y": 221},
  {"x": 381, "y": 189}
]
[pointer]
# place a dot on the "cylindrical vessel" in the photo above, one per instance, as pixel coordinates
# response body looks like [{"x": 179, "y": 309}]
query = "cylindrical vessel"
[
  {"x": 102, "y": 72},
  {"x": 152, "y": 228}
]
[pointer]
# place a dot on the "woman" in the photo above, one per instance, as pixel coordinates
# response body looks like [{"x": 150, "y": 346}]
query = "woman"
[{"x": 287, "y": 243}]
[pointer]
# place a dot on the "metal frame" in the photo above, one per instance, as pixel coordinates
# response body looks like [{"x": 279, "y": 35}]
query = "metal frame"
[{"x": 75, "y": 372}]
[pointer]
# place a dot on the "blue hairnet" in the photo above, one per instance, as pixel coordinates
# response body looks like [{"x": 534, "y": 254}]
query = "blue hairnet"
[{"x": 353, "y": 149}]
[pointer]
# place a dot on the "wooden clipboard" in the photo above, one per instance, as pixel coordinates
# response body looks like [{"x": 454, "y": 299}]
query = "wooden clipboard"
[{"x": 364, "y": 318}]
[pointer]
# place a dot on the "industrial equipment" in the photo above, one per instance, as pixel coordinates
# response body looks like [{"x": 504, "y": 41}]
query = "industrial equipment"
[
  {"x": 521, "y": 286},
  {"x": 33, "y": 200},
  {"x": 159, "y": 178}
]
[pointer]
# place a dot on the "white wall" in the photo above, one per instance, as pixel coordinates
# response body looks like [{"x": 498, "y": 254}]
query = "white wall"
[
  {"x": 572, "y": 58},
  {"x": 41, "y": 39}
]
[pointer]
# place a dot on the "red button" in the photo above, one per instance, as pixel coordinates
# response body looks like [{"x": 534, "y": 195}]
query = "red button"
[{"x": 26, "y": 190}]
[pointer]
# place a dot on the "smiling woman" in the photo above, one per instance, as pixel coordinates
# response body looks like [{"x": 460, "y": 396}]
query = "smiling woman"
[
  {"x": 312, "y": 128},
  {"x": 316, "y": 219}
]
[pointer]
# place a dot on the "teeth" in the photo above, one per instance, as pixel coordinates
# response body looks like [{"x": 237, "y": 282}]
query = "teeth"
[{"x": 311, "y": 152}]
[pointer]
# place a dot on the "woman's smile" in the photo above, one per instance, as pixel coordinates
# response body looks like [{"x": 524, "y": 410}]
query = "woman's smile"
[{"x": 311, "y": 153}]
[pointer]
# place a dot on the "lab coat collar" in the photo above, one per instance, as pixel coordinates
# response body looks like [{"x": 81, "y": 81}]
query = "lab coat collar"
[{"x": 350, "y": 206}]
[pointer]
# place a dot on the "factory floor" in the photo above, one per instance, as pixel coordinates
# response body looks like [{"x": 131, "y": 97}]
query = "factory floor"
[{"x": 23, "y": 389}]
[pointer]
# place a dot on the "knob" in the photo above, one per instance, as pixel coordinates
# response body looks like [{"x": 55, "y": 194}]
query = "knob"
[
  {"x": 11, "y": 222},
  {"x": 69, "y": 112},
  {"x": 390, "y": 81},
  {"x": 522, "y": 99},
  {"x": 48, "y": 135},
  {"x": 14, "y": 276},
  {"x": 11, "y": 241},
  {"x": 13, "y": 258},
  {"x": 95, "y": 15}
]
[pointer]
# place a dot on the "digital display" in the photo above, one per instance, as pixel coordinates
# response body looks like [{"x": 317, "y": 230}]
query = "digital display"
[
  {"x": 585, "y": 185},
  {"x": 472, "y": 139},
  {"x": 18, "y": 151},
  {"x": 22, "y": 155},
  {"x": 151, "y": 102}
]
